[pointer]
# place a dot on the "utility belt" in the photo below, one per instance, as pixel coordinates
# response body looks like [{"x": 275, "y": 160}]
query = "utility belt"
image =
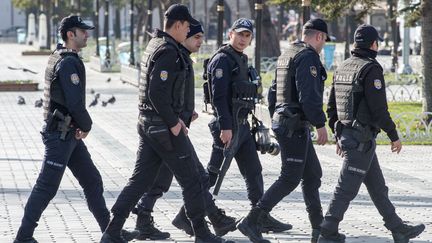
[
  {"x": 147, "y": 118},
  {"x": 284, "y": 120},
  {"x": 362, "y": 133},
  {"x": 242, "y": 119},
  {"x": 58, "y": 122}
]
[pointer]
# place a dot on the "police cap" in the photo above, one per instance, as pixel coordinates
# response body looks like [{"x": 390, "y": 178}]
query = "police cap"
[
  {"x": 180, "y": 12},
  {"x": 365, "y": 35},
  {"x": 317, "y": 24},
  {"x": 73, "y": 21},
  {"x": 242, "y": 24}
]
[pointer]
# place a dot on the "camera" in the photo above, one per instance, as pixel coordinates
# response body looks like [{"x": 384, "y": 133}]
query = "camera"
[
  {"x": 271, "y": 148},
  {"x": 262, "y": 138}
]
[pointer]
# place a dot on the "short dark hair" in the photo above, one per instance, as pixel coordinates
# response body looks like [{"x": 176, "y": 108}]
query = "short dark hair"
[
  {"x": 361, "y": 45},
  {"x": 309, "y": 32},
  {"x": 168, "y": 23},
  {"x": 64, "y": 33}
]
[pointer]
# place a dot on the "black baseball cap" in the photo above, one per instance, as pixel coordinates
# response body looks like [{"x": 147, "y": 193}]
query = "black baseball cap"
[
  {"x": 195, "y": 29},
  {"x": 365, "y": 35},
  {"x": 317, "y": 24},
  {"x": 242, "y": 24},
  {"x": 180, "y": 12},
  {"x": 73, "y": 21}
]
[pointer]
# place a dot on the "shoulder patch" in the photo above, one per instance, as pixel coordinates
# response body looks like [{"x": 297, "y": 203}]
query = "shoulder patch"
[
  {"x": 164, "y": 75},
  {"x": 75, "y": 78},
  {"x": 377, "y": 84},
  {"x": 219, "y": 73},
  {"x": 313, "y": 71}
]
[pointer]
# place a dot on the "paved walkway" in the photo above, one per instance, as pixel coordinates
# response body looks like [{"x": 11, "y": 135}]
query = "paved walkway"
[{"x": 113, "y": 143}]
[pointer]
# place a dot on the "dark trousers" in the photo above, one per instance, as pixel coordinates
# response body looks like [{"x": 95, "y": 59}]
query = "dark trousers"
[
  {"x": 163, "y": 182},
  {"x": 161, "y": 185},
  {"x": 158, "y": 144},
  {"x": 246, "y": 157},
  {"x": 359, "y": 166},
  {"x": 299, "y": 164},
  {"x": 60, "y": 154}
]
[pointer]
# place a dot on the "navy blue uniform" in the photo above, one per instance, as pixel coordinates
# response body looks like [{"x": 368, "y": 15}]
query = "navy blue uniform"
[
  {"x": 165, "y": 176},
  {"x": 65, "y": 91},
  {"x": 161, "y": 103},
  {"x": 222, "y": 68},
  {"x": 360, "y": 163},
  {"x": 299, "y": 160}
]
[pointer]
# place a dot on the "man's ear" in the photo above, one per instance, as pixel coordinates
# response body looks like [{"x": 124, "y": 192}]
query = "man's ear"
[{"x": 70, "y": 34}]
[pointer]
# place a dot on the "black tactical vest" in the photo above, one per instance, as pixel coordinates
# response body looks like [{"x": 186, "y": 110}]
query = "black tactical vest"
[
  {"x": 240, "y": 71},
  {"x": 189, "y": 102},
  {"x": 286, "y": 92},
  {"x": 53, "y": 93},
  {"x": 152, "y": 52},
  {"x": 349, "y": 91}
]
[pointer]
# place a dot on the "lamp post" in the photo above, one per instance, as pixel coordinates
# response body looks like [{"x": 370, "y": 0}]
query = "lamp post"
[
  {"x": 206, "y": 18},
  {"x": 132, "y": 54},
  {"x": 238, "y": 9},
  {"x": 394, "y": 35},
  {"x": 54, "y": 21},
  {"x": 280, "y": 16},
  {"x": 79, "y": 7},
  {"x": 96, "y": 21},
  {"x": 149, "y": 27},
  {"x": 306, "y": 5},
  {"x": 107, "y": 51},
  {"x": 406, "y": 67},
  {"x": 258, "y": 23},
  {"x": 220, "y": 9}
]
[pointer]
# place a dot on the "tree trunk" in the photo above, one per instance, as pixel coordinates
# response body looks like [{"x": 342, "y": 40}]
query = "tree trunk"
[
  {"x": 161, "y": 13},
  {"x": 49, "y": 21},
  {"x": 269, "y": 39},
  {"x": 117, "y": 29},
  {"x": 426, "y": 33},
  {"x": 142, "y": 13}
]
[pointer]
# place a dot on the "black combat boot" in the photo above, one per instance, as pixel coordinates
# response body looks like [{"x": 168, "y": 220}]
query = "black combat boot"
[
  {"x": 203, "y": 235},
  {"x": 113, "y": 233},
  {"x": 315, "y": 235},
  {"x": 331, "y": 236},
  {"x": 222, "y": 224},
  {"x": 29, "y": 240},
  {"x": 147, "y": 230},
  {"x": 182, "y": 222},
  {"x": 271, "y": 224},
  {"x": 129, "y": 235},
  {"x": 251, "y": 225},
  {"x": 405, "y": 232}
]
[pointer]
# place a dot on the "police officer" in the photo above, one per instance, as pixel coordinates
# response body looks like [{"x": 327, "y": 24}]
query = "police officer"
[
  {"x": 67, "y": 123},
  {"x": 145, "y": 223},
  {"x": 163, "y": 134},
  {"x": 228, "y": 74},
  {"x": 357, "y": 110},
  {"x": 300, "y": 80}
]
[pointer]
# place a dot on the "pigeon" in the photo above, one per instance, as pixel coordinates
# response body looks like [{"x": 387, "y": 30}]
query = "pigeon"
[
  {"x": 108, "y": 80},
  {"x": 22, "y": 69},
  {"x": 20, "y": 100},
  {"x": 94, "y": 102},
  {"x": 92, "y": 91},
  {"x": 104, "y": 103},
  {"x": 97, "y": 95},
  {"x": 111, "y": 100},
  {"x": 38, "y": 103}
]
